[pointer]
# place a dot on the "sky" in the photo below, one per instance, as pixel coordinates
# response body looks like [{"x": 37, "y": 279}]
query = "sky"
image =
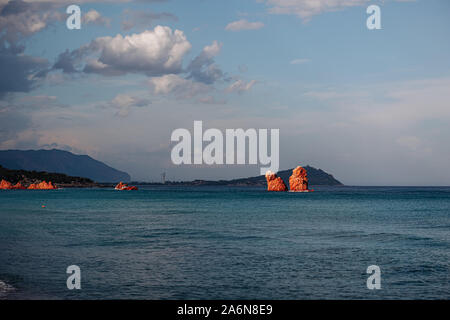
[{"x": 372, "y": 107}]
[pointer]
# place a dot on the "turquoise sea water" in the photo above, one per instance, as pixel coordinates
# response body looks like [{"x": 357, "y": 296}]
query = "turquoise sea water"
[{"x": 225, "y": 243}]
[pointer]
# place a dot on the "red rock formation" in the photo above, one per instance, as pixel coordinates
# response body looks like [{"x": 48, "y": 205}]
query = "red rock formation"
[
  {"x": 42, "y": 186},
  {"x": 124, "y": 186},
  {"x": 120, "y": 186},
  {"x": 18, "y": 186},
  {"x": 5, "y": 185},
  {"x": 298, "y": 181},
  {"x": 46, "y": 186},
  {"x": 274, "y": 183},
  {"x": 32, "y": 186}
]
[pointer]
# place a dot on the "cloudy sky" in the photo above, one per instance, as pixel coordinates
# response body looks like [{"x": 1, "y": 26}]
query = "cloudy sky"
[{"x": 371, "y": 107}]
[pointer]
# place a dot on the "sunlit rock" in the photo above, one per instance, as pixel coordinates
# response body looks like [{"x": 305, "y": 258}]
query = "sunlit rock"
[
  {"x": 5, "y": 185},
  {"x": 298, "y": 180},
  {"x": 124, "y": 186},
  {"x": 19, "y": 186},
  {"x": 274, "y": 183}
]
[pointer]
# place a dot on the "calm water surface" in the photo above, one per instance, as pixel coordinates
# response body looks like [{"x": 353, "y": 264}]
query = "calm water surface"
[{"x": 225, "y": 243}]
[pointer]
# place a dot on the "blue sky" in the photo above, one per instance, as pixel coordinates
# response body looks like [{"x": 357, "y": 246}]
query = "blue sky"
[{"x": 370, "y": 106}]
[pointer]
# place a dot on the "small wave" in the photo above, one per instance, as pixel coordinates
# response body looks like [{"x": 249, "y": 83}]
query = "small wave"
[{"x": 5, "y": 289}]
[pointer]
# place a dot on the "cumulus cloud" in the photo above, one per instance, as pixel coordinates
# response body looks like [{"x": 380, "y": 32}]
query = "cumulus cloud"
[
  {"x": 94, "y": 17},
  {"x": 243, "y": 24},
  {"x": 157, "y": 53},
  {"x": 178, "y": 86},
  {"x": 134, "y": 19},
  {"x": 153, "y": 52},
  {"x": 240, "y": 86},
  {"x": 19, "y": 19},
  {"x": 202, "y": 68}
]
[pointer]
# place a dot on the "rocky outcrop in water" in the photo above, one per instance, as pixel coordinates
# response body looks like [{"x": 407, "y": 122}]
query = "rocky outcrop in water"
[
  {"x": 6, "y": 185},
  {"x": 298, "y": 180},
  {"x": 274, "y": 183},
  {"x": 41, "y": 186},
  {"x": 19, "y": 186},
  {"x": 124, "y": 186}
]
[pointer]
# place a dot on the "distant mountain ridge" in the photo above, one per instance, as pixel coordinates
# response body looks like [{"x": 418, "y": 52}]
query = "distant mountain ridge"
[{"x": 59, "y": 161}]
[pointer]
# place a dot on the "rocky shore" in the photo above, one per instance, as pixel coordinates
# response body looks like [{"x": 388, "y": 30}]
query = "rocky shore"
[
  {"x": 34, "y": 180},
  {"x": 43, "y": 185}
]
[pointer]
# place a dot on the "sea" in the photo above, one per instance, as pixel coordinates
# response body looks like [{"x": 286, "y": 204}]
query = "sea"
[{"x": 169, "y": 242}]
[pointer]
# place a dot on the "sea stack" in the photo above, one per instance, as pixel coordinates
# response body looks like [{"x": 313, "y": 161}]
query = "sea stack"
[
  {"x": 124, "y": 186},
  {"x": 274, "y": 183},
  {"x": 298, "y": 181}
]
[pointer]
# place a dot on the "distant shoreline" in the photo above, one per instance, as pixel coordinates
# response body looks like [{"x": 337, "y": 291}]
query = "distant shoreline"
[{"x": 316, "y": 177}]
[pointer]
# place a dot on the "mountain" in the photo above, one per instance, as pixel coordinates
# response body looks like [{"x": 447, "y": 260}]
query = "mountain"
[
  {"x": 316, "y": 177},
  {"x": 59, "y": 161}
]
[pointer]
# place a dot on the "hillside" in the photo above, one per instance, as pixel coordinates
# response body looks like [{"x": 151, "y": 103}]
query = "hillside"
[
  {"x": 59, "y": 179},
  {"x": 59, "y": 161}
]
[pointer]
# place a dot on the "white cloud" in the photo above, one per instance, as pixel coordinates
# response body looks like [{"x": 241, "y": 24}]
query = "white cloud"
[
  {"x": 19, "y": 19},
  {"x": 153, "y": 52},
  {"x": 94, "y": 17},
  {"x": 240, "y": 86},
  {"x": 212, "y": 50},
  {"x": 178, "y": 86},
  {"x": 124, "y": 102},
  {"x": 243, "y": 24},
  {"x": 202, "y": 68}
]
